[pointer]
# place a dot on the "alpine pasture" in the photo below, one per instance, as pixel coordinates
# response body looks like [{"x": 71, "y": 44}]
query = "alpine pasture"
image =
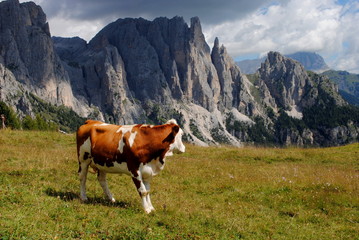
[{"x": 205, "y": 193}]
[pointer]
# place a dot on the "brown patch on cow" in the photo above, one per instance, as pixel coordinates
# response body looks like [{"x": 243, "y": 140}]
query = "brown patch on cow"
[
  {"x": 104, "y": 142},
  {"x": 171, "y": 137},
  {"x": 153, "y": 142},
  {"x": 83, "y": 133},
  {"x": 100, "y": 130}
]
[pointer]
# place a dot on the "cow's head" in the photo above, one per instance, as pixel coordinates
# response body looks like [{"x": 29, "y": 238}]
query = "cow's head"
[{"x": 177, "y": 133}]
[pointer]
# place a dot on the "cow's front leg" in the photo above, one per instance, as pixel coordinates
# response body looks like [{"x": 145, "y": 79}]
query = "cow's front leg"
[
  {"x": 101, "y": 177},
  {"x": 147, "y": 185},
  {"x": 143, "y": 192}
]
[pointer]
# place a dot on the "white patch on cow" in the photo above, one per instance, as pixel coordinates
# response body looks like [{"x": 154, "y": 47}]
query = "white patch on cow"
[
  {"x": 173, "y": 121},
  {"x": 124, "y": 129},
  {"x": 146, "y": 125},
  {"x": 177, "y": 144},
  {"x": 101, "y": 124},
  {"x": 132, "y": 138},
  {"x": 151, "y": 169},
  {"x": 85, "y": 147},
  {"x": 121, "y": 144},
  {"x": 119, "y": 168},
  {"x": 142, "y": 188}
]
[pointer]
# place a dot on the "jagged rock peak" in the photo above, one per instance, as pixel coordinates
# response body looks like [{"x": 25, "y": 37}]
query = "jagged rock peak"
[
  {"x": 274, "y": 57},
  {"x": 197, "y": 35},
  {"x": 285, "y": 78},
  {"x": 220, "y": 49},
  {"x": 216, "y": 43},
  {"x": 276, "y": 61},
  {"x": 196, "y": 25}
]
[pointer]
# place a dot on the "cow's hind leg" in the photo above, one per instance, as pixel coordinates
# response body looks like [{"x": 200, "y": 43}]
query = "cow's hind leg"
[
  {"x": 83, "y": 169},
  {"x": 101, "y": 177}
]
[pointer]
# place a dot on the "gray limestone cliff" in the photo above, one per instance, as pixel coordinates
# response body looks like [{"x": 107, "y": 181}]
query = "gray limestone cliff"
[
  {"x": 234, "y": 86},
  {"x": 26, "y": 49},
  {"x": 137, "y": 70},
  {"x": 286, "y": 80}
]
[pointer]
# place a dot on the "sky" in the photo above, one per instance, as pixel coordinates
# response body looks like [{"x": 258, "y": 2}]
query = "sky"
[{"x": 248, "y": 29}]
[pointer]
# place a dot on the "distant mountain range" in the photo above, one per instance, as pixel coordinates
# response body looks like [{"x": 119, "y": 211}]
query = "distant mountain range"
[
  {"x": 348, "y": 83},
  {"x": 310, "y": 61},
  {"x": 140, "y": 71}
]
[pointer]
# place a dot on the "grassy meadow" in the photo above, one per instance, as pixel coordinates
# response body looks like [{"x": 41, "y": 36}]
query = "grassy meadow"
[{"x": 205, "y": 193}]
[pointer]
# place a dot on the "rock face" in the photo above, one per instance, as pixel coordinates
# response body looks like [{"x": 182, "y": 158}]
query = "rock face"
[
  {"x": 135, "y": 70},
  {"x": 285, "y": 80},
  {"x": 164, "y": 59},
  {"x": 26, "y": 49},
  {"x": 234, "y": 86}
]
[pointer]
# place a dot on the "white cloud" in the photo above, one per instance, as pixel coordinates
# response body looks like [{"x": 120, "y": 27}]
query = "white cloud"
[
  {"x": 85, "y": 29},
  {"x": 299, "y": 25},
  {"x": 348, "y": 58}
]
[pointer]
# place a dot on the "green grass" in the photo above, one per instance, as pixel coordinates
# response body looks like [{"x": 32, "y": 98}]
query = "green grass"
[{"x": 205, "y": 193}]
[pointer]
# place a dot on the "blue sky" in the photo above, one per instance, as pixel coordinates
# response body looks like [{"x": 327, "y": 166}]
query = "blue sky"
[{"x": 248, "y": 29}]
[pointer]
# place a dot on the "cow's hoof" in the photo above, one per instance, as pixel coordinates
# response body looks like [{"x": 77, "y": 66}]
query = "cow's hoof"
[
  {"x": 84, "y": 200},
  {"x": 113, "y": 200},
  {"x": 149, "y": 210}
]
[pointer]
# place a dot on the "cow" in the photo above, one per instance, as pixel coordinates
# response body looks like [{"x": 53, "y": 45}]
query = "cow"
[{"x": 136, "y": 150}]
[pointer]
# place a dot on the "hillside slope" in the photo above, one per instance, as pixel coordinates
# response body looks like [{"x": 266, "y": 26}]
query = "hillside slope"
[{"x": 348, "y": 84}]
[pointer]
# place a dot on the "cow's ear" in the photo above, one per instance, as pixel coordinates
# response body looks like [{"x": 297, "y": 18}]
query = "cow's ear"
[
  {"x": 175, "y": 130},
  {"x": 172, "y": 135}
]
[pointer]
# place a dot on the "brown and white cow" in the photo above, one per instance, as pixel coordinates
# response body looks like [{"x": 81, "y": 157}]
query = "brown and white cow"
[{"x": 136, "y": 150}]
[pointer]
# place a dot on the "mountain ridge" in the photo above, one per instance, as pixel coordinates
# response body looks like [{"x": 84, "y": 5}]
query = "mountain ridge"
[
  {"x": 348, "y": 84},
  {"x": 136, "y": 70},
  {"x": 311, "y": 61}
]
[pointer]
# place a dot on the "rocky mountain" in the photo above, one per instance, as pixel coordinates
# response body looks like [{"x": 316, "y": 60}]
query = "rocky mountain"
[
  {"x": 348, "y": 83},
  {"x": 28, "y": 62},
  {"x": 136, "y": 71},
  {"x": 310, "y": 61},
  {"x": 250, "y": 66}
]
